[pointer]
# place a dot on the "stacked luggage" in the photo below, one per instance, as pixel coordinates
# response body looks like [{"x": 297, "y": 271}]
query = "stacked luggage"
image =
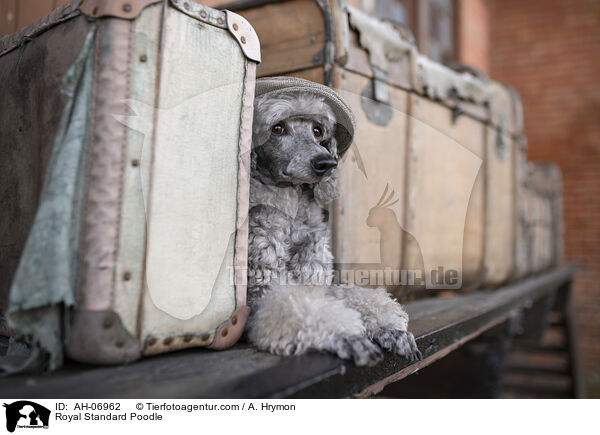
[
  {"x": 101, "y": 228},
  {"x": 448, "y": 142}
]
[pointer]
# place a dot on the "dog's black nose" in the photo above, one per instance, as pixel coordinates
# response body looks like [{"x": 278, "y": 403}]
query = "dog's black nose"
[{"x": 322, "y": 164}]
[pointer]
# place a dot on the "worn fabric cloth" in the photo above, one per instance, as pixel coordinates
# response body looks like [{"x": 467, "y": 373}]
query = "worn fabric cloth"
[
  {"x": 293, "y": 85},
  {"x": 43, "y": 288}
]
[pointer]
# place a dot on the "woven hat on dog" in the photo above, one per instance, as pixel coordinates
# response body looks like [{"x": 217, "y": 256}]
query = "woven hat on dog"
[{"x": 346, "y": 124}]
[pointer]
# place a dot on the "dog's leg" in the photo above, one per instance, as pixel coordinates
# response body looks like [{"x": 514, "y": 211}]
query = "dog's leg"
[
  {"x": 290, "y": 320},
  {"x": 385, "y": 320},
  {"x": 311, "y": 260}
]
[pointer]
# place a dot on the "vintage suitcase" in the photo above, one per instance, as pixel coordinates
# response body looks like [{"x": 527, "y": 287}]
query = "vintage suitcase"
[
  {"x": 430, "y": 184},
  {"x": 506, "y": 175},
  {"x": 125, "y": 140},
  {"x": 543, "y": 216}
]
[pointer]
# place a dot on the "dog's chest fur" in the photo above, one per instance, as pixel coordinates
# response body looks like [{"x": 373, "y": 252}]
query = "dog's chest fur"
[
  {"x": 288, "y": 238},
  {"x": 291, "y": 211}
]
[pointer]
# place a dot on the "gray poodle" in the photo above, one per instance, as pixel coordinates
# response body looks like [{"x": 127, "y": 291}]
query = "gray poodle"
[{"x": 300, "y": 130}]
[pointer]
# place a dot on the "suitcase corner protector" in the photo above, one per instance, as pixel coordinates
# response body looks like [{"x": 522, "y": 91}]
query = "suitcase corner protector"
[
  {"x": 229, "y": 332},
  {"x": 99, "y": 337}
]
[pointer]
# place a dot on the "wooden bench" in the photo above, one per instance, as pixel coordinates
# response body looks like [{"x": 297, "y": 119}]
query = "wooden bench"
[{"x": 440, "y": 325}]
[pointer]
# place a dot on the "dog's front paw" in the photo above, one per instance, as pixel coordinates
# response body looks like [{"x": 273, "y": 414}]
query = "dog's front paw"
[
  {"x": 399, "y": 342},
  {"x": 359, "y": 349}
]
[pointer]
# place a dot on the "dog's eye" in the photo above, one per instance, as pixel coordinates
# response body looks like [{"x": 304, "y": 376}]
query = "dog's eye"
[
  {"x": 277, "y": 129},
  {"x": 317, "y": 131}
]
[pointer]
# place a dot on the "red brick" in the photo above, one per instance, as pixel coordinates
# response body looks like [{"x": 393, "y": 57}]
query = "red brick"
[{"x": 548, "y": 50}]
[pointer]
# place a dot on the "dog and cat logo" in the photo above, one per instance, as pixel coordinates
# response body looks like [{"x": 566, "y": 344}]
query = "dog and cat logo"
[{"x": 25, "y": 414}]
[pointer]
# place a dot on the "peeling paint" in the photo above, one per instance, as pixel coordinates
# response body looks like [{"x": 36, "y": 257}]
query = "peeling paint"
[
  {"x": 439, "y": 82},
  {"x": 381, "y": 39},
  {"x": 378, "y": 113}
]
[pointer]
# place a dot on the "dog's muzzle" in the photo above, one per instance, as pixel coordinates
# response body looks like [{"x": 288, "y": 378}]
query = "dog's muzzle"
[{"x": 320, "y": 165}]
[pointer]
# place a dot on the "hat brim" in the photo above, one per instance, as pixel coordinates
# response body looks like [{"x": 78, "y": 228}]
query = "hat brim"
[{"x": 346, "y": 124}]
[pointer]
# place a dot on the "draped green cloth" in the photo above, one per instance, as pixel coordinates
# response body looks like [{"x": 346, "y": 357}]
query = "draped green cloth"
[{"x": 43, "y": 289}]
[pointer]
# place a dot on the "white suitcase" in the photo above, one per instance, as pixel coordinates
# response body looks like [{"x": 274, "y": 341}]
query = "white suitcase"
[{"x": 139, "y": 241}]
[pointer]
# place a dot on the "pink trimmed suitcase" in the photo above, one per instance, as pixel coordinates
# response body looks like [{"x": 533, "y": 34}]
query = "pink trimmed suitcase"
[{"x": 125, "y": 136}]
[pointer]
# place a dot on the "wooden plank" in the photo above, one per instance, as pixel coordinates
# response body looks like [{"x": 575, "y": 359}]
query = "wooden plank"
[
  {"x": 8, "y": 16},
  {"x": 437, "y": 333},
  {"x": 542, "y": 381},
  {"x": 440, "y": 325},
  {"x": 291, "y": 35},
  {"x": 316, "y": 74}
]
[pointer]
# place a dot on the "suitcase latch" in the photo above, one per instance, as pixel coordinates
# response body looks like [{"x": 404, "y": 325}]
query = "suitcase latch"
[{"x": 384, "y": 44}]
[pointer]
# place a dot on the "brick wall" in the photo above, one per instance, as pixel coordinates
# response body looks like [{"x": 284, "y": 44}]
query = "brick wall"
[
  {"x": 550, "y": 51},
  {"x": 472, "y": 33}
]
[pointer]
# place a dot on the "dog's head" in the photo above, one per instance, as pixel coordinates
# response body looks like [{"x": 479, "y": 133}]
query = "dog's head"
[
  {"x": 296, "y": 138},
  {"x": 293, "y": 139}
]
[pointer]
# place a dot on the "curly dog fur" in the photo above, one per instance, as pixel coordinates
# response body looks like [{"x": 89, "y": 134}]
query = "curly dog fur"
[{"x": 295, "y": 307}]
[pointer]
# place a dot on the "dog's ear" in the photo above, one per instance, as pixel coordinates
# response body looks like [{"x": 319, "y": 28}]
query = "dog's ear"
[
  {"x": 343, "y": 139},
  {"x": 327, "y": 190}
]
